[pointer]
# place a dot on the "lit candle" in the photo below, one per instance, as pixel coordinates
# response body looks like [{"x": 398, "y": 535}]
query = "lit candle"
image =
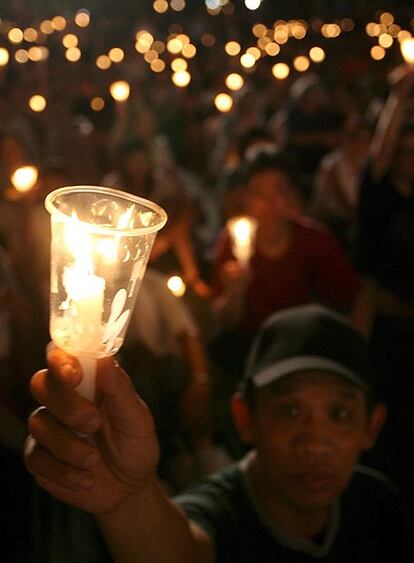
[
  {"x": 97, "y": 264},
  {"x": 242, "y": 232}
]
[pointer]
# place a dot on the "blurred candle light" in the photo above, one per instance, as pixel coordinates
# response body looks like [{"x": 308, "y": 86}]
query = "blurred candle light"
[
  {"x": 4, "y": 56},
  {"x": 37, "y": 103},
  {"x": 82, "y": 18},
  {"x": 116, "y": 54},
  {"x": 59, "y": 23},
  {"x": 70, "y": 40},
  {"x": 177, "y": 286},
  {"x": 223, "y": 102},
  {"x": 247, "y": 60},
  {"x": 181, "y": 78},
  {"x": 21, "y": 56},
  {"x": 120, "y": 90},
  {"x": 252, "y": 4},
  {"x": 242, "y": 230},
  {"x": 15, "y": 35},
  {"x": 301, "y": 63},
  {"x": 160, "y": 6},
  {"x": 73, "y": 54},
  {"x": 157, "y": 66},
  {"x": 234, "y": 81},
  {"x": 232, "y": 48},
  {"x": 97, "y": 103},
  {"x": 24, "y": 178},
  {"x": 317, "y": 54},
  {"x": 407, "y": 50},
  {"x": 189, "y": 51},
  {"x": 103, "y": 62},
  {"x": 179, "y": 64},
  {"x": 280, "y": 71},
  {"x": 377, "y": 52}
]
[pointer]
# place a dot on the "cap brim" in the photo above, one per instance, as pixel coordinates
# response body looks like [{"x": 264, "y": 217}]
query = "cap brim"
[{"x": 278, "y": 370}]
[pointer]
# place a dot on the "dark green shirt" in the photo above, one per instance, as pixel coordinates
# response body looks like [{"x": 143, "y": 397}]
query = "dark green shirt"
[{"x": 368, "y": 525}]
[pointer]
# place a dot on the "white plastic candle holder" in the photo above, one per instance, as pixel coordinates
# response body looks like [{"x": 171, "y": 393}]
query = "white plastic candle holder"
[
  {"x": 101, "y": 242},
  {"x": 242, "y": 230}
]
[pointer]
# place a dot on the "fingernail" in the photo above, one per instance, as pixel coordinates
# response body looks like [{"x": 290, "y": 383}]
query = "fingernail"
[{"x": 68, "y": 372}]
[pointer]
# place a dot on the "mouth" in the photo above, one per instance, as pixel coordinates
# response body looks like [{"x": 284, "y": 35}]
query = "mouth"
[{"x": 315, "y": 482}]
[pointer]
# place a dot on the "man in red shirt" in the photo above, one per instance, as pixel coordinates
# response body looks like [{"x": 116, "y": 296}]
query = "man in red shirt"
[{"x": 296, "y": 261}]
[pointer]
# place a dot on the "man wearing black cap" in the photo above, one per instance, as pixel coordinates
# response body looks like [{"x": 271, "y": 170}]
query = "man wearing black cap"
[{"x": 308, "y": 410}]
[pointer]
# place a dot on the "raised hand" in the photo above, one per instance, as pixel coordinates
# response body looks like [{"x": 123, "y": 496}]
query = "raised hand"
[{"x": 117, "y": 460}]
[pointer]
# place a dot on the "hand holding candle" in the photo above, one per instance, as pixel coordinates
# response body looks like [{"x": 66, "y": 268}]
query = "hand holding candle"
[
  {"x": 242, "y": 230},
  {"x": 101, "y": 242}
]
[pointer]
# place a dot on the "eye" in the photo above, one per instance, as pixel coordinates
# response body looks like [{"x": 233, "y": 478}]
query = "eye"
[
  {"x": 342, "y": 414},
  {"x": 288, "y": 410}
]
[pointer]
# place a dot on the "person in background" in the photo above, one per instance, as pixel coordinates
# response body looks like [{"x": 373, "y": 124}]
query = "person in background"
[
  {"x": 384, "y": 255},
  {"x": 309, "y": 125},
  {"x": 165, "y": 355},
  {"x": 334, "y": 197},
  {"x": 295, "y": 261},
  {"x": 306, "y": 408},
  {"x": 152, "y": 175}
]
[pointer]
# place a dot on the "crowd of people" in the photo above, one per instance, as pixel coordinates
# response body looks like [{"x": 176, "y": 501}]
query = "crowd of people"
[{"x": 329, "y": 181}]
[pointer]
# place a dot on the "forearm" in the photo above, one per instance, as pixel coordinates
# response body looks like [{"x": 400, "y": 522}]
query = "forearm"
[
  {"x": 148, "y": 528},
  {"x": 386, "y": 134},
  {"x": 229, "y": 308}
]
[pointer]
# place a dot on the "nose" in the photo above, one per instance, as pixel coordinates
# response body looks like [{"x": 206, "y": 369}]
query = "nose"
[{"x": 314, "y": 440}]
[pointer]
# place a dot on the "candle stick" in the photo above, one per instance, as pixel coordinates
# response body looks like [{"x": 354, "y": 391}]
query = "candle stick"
[{"x": 242, "y": 230}]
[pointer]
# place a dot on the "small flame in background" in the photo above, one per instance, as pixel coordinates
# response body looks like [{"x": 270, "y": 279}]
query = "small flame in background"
[{"x": 177, "y": 286}]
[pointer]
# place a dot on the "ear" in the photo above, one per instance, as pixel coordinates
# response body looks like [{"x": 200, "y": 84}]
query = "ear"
[
  {"x": 242, "y": 417},
  {"x": 375, "y": 424}
]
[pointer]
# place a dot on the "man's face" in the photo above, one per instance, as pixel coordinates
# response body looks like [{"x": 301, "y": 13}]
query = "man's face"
[
  {"x": 268, "y": 196},
  {"x": 308, "y": 431}
]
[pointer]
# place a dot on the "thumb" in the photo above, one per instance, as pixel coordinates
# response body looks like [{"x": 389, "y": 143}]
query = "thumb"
[{"x": 125, "y": 410}]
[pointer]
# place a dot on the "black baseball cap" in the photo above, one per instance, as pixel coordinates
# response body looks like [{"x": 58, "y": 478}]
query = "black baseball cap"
[{"x": 309, "y": 337}]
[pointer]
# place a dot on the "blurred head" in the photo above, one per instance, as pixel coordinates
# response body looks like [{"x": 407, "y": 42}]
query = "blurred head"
[
  {"x": 254, "y": 140},
  {"x": 135, "y": 163},
  {"x": 309, "y": 93},
  {"x": 271, "y": 186},
  {"x": 307, "y": 405}
]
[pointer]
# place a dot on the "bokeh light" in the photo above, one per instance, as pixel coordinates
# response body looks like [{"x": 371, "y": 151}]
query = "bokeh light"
[
  {"x": 181, "y": 78},
  {"x": 37, "y": 103},
  {"x": 280, "y": 71},
  {"x": 177, "y": 286},
  {"x": 4, "y": 56},
  {"x": 223, "y": 102},
  {"x": 120, "y": 90},
  {"x": 234, "y": 81}
]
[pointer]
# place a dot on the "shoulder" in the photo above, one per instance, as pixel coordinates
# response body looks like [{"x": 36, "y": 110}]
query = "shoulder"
[
  {"x": 372, "y": 507},
  {"x": 223, "y": 482},
  {"x": 214, "y": 501},
  {"x": 307, "y": 230},
  {"x": 373, "y": 490}
]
